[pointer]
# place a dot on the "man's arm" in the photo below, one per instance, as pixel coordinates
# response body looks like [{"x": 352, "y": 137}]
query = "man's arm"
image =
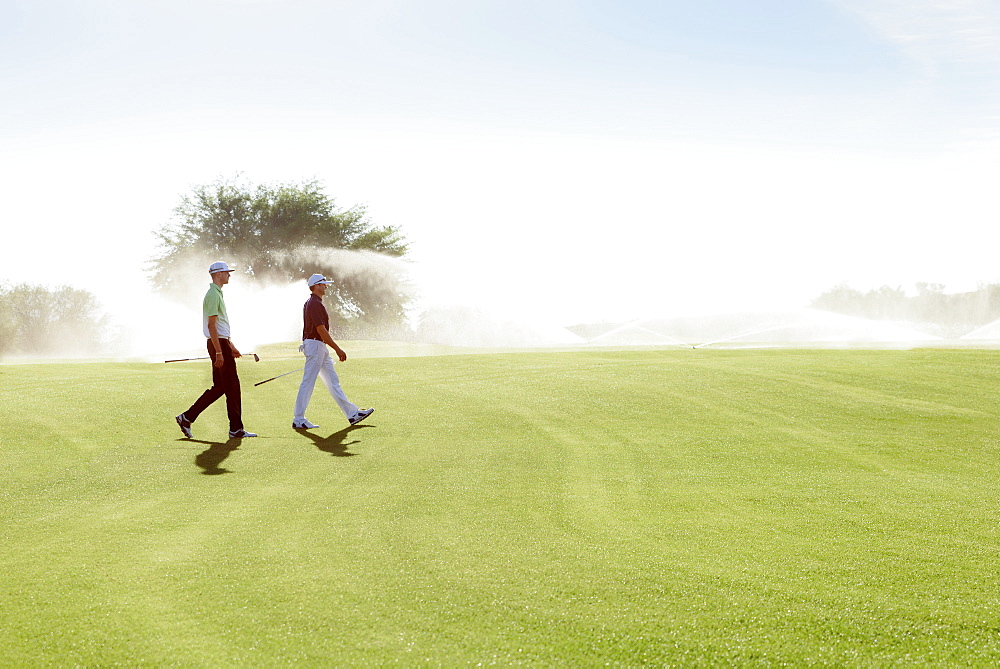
[
  {"x": 213, "y": 333},
  {"x": 328, "y": 340}
]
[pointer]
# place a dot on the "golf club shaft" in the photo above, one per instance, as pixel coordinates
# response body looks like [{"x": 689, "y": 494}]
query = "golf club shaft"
[
  {"x": 279, "y": 376},
  {"x": 256, "y": 358}
]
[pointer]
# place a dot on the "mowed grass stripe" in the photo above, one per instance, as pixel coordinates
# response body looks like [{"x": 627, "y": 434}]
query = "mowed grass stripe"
[{"x": 634, "y": 507}]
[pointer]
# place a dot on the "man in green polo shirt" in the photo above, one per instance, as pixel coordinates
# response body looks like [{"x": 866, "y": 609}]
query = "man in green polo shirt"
[{"x": 225, "y": 380}]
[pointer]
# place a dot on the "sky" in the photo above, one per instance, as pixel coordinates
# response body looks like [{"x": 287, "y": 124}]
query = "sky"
[{"x": 562, "y": 161}]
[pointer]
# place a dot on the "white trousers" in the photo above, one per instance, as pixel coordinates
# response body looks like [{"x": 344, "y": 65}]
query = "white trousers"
[{"x": 319, "y": 363}]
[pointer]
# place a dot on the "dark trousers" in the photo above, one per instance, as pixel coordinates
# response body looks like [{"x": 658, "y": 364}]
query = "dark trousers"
[{"x": 225, "y": 381}]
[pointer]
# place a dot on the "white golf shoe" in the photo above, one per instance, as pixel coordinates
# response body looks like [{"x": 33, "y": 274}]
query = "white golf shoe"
[
  {"x": 303, "y": 424},
  {"x": 185, "y": 425},
  {"x": 361, "y": 415}
]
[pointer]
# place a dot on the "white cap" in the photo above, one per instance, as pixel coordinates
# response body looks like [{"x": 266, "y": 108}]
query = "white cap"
[
  {"x": 317, "y": 278},
  {"x": 219, "y": 267}
]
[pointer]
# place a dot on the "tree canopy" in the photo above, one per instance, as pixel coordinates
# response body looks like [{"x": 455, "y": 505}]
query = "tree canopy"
[{"x": 284, "y": 233}]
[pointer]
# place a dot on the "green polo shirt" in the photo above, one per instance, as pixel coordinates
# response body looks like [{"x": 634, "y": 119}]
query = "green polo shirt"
[{"x": 214, "y": 305}]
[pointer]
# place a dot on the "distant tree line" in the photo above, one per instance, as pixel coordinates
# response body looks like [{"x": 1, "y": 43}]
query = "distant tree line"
[
  {"x": 930, "y": 306},
  {"x": 35, "y": 320}
]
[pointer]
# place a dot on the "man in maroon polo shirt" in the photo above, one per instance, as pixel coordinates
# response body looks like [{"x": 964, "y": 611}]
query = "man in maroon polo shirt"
[{"x": 315, "y": 342}]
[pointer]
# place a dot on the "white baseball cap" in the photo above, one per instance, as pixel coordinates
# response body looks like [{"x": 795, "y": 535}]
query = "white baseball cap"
[
  {"x": 317, "y": 278},
  {"x": 220, "y": 267}
]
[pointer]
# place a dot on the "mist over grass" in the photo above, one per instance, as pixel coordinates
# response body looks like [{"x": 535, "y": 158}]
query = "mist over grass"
[
  {"x": 261, "y": 311},
  {"x": 377, "y": 272},
  {"x": 268, "y": 311},
  {"x": 161, "y": 325}
]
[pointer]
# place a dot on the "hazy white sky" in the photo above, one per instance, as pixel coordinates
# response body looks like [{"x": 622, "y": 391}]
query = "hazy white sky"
[{"x": 577, "y": 160}]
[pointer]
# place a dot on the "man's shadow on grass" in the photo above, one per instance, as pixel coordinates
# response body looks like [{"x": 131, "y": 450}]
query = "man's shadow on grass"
[
  {"x": 336, "y": 444},
  {"x": 210, "y": 459}
]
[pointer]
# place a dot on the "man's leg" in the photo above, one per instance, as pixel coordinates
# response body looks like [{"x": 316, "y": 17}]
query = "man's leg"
[
  {"x": 332, "y": 383},
  {"x": 217, "y": 390},
  {"x": 231, "y": 385},
  {"x": 314, "y": 351}
]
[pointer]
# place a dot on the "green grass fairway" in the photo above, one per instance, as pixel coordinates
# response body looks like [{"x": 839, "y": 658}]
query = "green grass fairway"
[{"x": 682, "y": 507}]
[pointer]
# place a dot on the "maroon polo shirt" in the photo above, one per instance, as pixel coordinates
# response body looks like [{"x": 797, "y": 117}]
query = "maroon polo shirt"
[{"x": 314, "y": 314}]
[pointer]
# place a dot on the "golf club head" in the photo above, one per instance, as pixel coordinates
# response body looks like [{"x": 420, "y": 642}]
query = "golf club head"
[{"x": 256, "y": 358}]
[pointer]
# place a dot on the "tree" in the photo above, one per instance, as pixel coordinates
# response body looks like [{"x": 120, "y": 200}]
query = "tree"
[
  {"x": 841, "y": 299},
  {"x": 35, "y": 320},
  {"x": 284, "y": 233},
  {"x": 935, "y": 310}
]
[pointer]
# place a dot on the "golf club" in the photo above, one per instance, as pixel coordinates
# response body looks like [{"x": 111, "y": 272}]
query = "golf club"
[
  {"x": 280, "y": 375},
  {"x": 256, "y": 358}
]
